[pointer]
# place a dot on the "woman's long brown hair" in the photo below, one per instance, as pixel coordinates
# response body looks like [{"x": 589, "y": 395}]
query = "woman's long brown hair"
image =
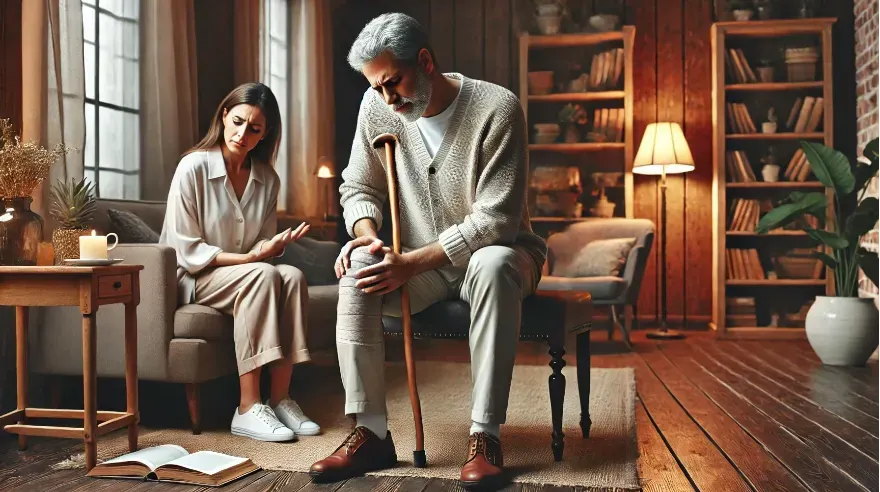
[{"x": 254, "y": 94}]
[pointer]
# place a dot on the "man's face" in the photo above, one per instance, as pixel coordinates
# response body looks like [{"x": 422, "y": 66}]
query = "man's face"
[{"x": 406, "y": 89}]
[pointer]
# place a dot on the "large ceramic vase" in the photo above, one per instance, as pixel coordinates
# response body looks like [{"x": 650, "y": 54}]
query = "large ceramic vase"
[
  {"x": 21, "y": 231},
  {"x": 843, "y": 331}
]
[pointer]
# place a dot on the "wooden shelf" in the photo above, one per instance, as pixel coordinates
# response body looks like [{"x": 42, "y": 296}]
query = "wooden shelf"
[
  {"x": 574, "y": 39},
  {"x": 775, "y": 86},
  {"x": 758, "y": 96},
  {"x": 561, "y": 219},
  {"x": 578, "y": 96},
  {"x": 773, "y": 233},
  {"x": 776, "y": 136},
  {"x": 782, "y": 282},
  {"x": 779, "y": 185},
  {"x": 577, "y": 147}
]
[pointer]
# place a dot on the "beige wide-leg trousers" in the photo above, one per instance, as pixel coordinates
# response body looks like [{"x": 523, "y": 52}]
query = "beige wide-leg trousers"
[
  {"x": 494, "y": 284},
  {"x": 269, "y": 304}
]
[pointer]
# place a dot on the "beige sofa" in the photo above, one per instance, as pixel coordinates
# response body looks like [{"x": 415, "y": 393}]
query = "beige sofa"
[{"x": 189, "y": 344}]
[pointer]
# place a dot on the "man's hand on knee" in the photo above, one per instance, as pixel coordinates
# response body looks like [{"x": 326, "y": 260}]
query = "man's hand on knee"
[
  {"x": 387, "y": 275},
  {"x": 343, "y": 261}
]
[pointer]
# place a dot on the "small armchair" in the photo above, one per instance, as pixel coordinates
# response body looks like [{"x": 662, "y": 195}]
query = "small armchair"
[{"x": 617, "y": 291}]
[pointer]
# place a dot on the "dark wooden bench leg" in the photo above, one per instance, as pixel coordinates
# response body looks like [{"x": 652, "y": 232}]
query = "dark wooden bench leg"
[
  {"x": 557, "y": 397},
  {"x": 583, "y": 375},
  {"x": 193, "y": 401}
]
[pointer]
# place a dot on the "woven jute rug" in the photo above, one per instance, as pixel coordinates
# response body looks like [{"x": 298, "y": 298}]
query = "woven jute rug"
[{"x": 606, "y": 460}]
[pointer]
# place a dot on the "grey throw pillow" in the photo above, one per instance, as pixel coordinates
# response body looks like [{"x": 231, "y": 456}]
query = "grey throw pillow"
[
  {"x": 599, "y": 258},
  {"x": 130, "y": 228}
]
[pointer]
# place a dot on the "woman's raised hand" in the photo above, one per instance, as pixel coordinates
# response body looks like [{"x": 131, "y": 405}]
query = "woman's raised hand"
[{"x": 275, "y": 246}]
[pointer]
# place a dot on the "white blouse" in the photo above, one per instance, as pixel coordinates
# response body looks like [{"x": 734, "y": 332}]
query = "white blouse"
[{"x": 203, "y": 217}]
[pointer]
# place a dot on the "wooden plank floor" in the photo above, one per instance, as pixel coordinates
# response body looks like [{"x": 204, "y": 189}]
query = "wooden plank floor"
[{"x": 711, "y": 416}]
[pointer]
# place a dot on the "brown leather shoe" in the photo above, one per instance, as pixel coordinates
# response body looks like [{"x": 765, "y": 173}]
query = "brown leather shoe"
[
  {"x": 484, "y": 464},
  {"x": 362, "y": 451}
]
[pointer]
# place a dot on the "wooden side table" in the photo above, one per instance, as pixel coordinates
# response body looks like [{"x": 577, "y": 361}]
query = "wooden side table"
[{"x": 88, "y": 288}]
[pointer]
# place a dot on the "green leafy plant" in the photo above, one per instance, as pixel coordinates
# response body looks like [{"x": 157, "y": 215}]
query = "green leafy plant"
[
  {"x": 73, "y": 204},
  {"x": 853, "y": 214}
]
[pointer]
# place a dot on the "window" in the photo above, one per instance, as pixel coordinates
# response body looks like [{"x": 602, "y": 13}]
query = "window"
[
  {"x": 111, "y": 48},
  {"x": 274, "y": 46}
]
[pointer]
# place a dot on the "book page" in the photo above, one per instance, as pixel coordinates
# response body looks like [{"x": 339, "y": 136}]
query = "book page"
[
  {"x": 151, "y": 457},
  {"x": 207, "y": 462}
]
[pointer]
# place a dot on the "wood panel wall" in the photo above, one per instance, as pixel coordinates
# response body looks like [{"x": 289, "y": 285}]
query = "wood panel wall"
[{"x": 672, "y": 82}]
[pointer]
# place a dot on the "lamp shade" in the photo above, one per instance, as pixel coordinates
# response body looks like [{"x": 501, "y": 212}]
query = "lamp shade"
[
  {"x": 663, "y": 149},
  {"x": 325, "y": 169}
]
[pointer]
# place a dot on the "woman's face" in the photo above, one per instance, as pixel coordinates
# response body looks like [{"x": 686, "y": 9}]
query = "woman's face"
[{"x": 243, "y": 128}]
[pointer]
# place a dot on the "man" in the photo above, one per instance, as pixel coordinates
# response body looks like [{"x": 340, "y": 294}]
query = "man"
[{"x": 462, "y": 169}]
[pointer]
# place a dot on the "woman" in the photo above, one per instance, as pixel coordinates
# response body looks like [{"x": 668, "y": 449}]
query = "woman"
[{"x": 221, "y": 220}]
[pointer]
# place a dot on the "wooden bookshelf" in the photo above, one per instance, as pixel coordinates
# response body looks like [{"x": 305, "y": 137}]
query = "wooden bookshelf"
[
  {"x": 609, "y": 89},
  {"x": 755, "y": 275}
]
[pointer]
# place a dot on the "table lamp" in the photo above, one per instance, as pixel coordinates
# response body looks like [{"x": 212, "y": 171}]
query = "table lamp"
[
  {"x": 663, "y": 151},
  {"x": 325, "y": 172}
]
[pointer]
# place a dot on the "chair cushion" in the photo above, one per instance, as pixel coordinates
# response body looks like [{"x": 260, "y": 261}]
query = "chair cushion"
[
  {"x": 601, "y": 288},
  {"x": 196, "y": 321},
  {"x": 542, "y": 318},
  {"x": 599, "y": 258}
]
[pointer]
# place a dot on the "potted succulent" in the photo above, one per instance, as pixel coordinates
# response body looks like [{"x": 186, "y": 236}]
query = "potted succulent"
[
  {"x": 769, "y": 126},
  {"x": 842, "y": 329},
  {"x": 73, "y": 207},
  {"x": 572, "y": 116}
]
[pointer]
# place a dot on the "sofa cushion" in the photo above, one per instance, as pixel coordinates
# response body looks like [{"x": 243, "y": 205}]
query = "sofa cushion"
[
  {"x": 599, "y": 258},
  {"x": 322, "y": 316},
  {"x": 151, "y": 212},
  {"x": 600, "y": 288},
  {"x": 130, "y": 228},
  {"x": 196, "y": 321}
]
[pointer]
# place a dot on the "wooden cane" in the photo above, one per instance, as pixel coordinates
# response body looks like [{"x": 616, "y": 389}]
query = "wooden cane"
[{"x": 389, "y": 141}]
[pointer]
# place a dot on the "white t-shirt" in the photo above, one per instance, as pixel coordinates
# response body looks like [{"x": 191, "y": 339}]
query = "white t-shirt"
[{"x": 433, "y": 128}]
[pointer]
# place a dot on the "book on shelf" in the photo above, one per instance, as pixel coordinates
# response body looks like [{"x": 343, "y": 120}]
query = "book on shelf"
[
  {"x": 798, "y": 168},
  {"x": 738, "y": 67},
  {"x": 609, "y": 122},
  {"x": 744, "y": 215},
  {"x": 744, "y": 264},
  {"x": 739, "y": 169},
  {"x": 806, "y": 114},
  {"x": 172, "y": 463},
  {"x": 606, "y": 68},
  {"x": 739, "y": 120}
]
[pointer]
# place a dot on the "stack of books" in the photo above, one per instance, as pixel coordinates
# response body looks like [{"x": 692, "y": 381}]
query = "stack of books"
[{"x": 606, "y": 69}]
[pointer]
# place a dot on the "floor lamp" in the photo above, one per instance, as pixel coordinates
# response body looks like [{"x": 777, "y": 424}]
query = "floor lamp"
[
  {"x": 663, "y": 151},
  {"x": 325, "y": 174}
]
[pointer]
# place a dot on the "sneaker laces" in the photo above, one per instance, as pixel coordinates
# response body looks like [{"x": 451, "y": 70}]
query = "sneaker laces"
[{"x": 266, "y": 414}]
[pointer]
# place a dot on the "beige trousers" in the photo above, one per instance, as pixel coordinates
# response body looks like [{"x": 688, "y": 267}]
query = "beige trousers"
[
  {"x": 269, "y": 304},
  {"x": 494, "y": 284}
]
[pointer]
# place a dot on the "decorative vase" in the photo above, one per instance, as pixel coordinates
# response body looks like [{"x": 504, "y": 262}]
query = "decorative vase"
[
  {"x": 572, "y": 135},
  {"x": 768, "y": 127},
  {"x": 843, "y": 330},
  {"x": 65, "y": 243},
  {"x": 21, "y": 231},
  {"x": 743, "y": 15},
  {"x": 770, "y": 172}
]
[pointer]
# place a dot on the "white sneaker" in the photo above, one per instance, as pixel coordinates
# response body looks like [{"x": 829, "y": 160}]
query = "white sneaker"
[
  {"x": 260, "y": 423},
  {"x": 291, "y": 415}
]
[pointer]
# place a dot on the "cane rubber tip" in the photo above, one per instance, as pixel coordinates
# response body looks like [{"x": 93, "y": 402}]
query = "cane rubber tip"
[{"x": 419, "y": 459}]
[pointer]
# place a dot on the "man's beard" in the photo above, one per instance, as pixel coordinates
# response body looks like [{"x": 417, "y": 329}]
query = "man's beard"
[{"x": 419, "y": 101}]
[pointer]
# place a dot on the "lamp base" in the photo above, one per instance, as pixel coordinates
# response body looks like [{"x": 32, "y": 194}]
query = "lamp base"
[{"x": 665, "y": 334}]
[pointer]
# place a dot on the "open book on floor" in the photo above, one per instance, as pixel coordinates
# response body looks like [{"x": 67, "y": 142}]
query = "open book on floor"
[{"x": 171, "y": 463}]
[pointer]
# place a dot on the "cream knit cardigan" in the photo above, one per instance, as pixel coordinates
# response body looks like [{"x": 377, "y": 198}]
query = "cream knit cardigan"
[{"x": 472, "y": 194}]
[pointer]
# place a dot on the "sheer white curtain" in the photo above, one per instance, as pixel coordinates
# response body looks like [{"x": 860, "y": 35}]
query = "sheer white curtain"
[
  {"x": 311, "y": 107},
  {"x": 274, "y": 53},
  {"x": 169, "y": 91},
  {"x": 53, "y": 88}
]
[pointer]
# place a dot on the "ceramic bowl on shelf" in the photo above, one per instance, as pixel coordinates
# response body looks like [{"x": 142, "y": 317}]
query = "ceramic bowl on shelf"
[
  {"x": 549, "y": 24},
  {"x": 546, "y": 128},
  {"x": 540, "y": 82},
  {"x": 546, "y": 138},
  {"x": 604, "y": 22}
]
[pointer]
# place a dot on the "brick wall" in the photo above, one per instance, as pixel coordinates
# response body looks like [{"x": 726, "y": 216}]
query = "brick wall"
[{"x": 866, "y": 23}]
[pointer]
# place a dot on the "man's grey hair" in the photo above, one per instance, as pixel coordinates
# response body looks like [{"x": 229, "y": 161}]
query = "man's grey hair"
[{"x": 399, "y": 34}]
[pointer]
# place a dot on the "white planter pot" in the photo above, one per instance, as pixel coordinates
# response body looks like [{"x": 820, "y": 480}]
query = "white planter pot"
[{"x": 843, "y": 331}]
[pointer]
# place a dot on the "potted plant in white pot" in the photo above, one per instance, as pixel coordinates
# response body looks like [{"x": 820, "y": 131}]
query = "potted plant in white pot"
[{"x": 842, "y": 329}]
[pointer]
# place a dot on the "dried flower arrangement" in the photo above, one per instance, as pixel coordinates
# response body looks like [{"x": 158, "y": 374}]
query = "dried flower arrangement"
[{"x": 23, "y": 165}]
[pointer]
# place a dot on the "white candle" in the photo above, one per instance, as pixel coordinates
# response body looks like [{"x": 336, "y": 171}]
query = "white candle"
[{"x": 94, "y": 247}]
